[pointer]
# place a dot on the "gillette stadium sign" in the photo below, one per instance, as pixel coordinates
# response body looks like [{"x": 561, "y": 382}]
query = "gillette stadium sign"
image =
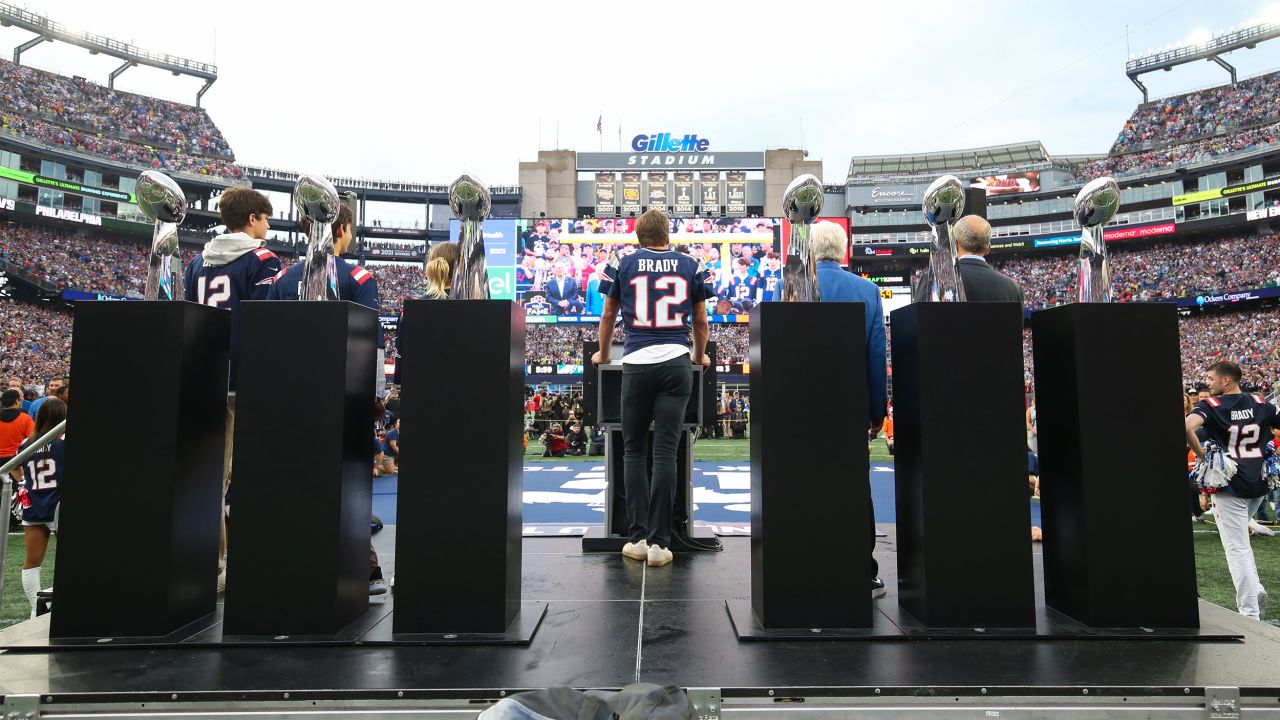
[{"x": 670, "y": 150}]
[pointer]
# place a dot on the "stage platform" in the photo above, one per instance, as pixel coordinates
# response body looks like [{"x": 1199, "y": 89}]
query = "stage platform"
[{"x": 611, "y": 622}]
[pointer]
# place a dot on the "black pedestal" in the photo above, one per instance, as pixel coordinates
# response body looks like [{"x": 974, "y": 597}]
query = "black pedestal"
[
  {"x": 460, "y": 501},
  {"x": 1117, "y": 552},
  {"x": 810, "y": 561},
  {"x": 143, "y": 469},
  {"x": 960, "y": 437},
  {"x": 298, "y": 561}
]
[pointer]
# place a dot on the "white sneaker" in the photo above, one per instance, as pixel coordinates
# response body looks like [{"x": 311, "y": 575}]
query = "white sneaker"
[
  {"x": 636, "y": 550},
  {"x": 1256, "y": 529},
  {"x": 659, "y": 556}
]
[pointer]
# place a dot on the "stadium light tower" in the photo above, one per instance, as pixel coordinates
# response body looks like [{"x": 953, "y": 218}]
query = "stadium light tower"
[
  {"x": 1204, "y": 46},
  {"x": 47, "y": 30}
]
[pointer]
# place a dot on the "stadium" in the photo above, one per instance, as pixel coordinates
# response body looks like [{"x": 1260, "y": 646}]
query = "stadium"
[{"x": 1195, "y": 242}]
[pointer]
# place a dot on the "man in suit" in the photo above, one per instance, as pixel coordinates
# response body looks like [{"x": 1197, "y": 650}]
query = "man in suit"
[
  {"x": 835, "y": 284},
  {"x": 562, "y": 292},
  {"x": 982, "y": 283}
]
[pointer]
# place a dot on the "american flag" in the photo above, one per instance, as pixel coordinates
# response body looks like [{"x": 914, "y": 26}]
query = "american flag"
[{"x": 600, "y": 124}]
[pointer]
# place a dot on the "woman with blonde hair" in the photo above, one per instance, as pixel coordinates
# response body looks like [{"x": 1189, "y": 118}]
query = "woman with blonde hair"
[{"x": 440, "y": 266}]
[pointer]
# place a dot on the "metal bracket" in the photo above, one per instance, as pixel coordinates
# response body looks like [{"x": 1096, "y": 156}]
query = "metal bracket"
[
  {"x": 21, "y": 707},
  {"x": 706, "y": 703},
  {"x": 1222, "y": 703}
]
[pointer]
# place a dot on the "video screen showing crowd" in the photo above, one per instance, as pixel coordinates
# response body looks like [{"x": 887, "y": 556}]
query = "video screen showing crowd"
[{"x": 562, "y": 262}]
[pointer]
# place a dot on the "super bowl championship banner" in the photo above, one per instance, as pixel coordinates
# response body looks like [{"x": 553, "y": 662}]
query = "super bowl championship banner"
[
  {"x": 735, "y": 186},
  {"x": 710, "y": 186},
  {"x": 606, "y": 201},
  {"x": 658, "y": 191},
  {"x": 683, "y": 194},
  {"x": 630, "y": 193}
]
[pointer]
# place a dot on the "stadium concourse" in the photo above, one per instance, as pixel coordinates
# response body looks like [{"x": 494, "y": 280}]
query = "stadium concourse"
[{"x": 1198, "y": 229}]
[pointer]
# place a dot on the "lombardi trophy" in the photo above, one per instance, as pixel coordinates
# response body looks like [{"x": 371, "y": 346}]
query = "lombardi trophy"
[
  {"x": 318, "y": 201},
  {"x": 943, "y": 206},
  {"x": 1096, "y": 204},
  {"x": 160, "y": 199},
  {"x": 470, "y": 201},
  {"x": 801, "y": 204}
]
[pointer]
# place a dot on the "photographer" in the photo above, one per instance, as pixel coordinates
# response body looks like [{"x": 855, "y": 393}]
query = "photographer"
[
  {"x": 577, "y": 440},
  {"x": 555, "y": 441}
]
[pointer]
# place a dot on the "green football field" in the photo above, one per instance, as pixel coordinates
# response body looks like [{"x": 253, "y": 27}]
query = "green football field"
[{"x": 1211, "y": 565}]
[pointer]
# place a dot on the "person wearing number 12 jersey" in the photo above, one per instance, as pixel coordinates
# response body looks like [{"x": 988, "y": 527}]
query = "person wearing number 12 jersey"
[
  {"x": 1241, "y": 424},
  {"x": 662, "y": 297},
  {"x": 233, "y": 267}
]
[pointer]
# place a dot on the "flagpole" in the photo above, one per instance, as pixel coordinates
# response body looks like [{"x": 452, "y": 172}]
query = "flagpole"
[{"x": 619, "y": 134}]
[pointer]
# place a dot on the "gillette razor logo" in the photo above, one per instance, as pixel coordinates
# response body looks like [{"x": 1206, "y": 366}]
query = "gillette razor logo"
[{"x": 668, "y": 143}]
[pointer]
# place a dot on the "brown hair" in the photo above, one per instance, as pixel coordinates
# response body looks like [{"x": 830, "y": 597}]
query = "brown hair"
[
  {"x": 345, "y": 217},
  {"x": 440, "y": 264},
  {"x": 238, "y": 204},
  {"x": 1227, "y": 368},
  {"x": 653, "y": 229},
  {"x": 51, "y": 412}
]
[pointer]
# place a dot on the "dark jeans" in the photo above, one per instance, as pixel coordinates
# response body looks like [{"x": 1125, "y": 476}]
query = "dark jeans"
[{"x": 656, "y": 393}]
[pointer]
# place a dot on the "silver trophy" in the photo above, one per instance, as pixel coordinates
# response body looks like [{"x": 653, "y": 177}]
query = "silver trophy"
[
  {"x": 318, "y": 201},
  {"x": 801, "y": 204},
  {"x": 1096, "y": 204},
  {"x": 943, "y": 206},
  {"x": 160, "y": 199},
  {"x": 469, "y": 199}
]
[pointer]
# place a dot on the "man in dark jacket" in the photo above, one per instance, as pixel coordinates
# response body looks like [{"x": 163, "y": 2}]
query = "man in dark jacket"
[{"x": 982, "y": 283}]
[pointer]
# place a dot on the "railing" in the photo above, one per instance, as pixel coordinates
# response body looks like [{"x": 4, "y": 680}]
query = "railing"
[
  {"x": 9, "y": 268},
  {"x": 149, "y": 142},
  {"x": 254, "y": 171},
  {"x": 6, "y": 490},
  {"x": 47, "y": 27}
]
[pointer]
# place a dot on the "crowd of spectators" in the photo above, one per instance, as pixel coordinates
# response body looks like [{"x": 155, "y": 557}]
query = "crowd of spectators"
[
  {"x": 1216, "y": 111},
  {"x": 35, "y": 341},
  {"x": 89, "y": 118},
  {"x": 67, "y": 260},
  {"x": 1155, "y": 273},
  {"x": 1251, "y": 339},
  {"x": 1136, "y": 163}
]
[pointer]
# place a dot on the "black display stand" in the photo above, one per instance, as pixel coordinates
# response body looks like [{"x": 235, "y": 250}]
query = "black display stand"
[
  {"x": 460, "y": 490},
  {"x": 810, "y": 561},
  {"x": 602, "y": 393},
  {"x": 960, "y": 436},
  {"x": 143, "y": 469},
  {"x": 1116, "y": 548},
  {"x": 298, "y": 556}
]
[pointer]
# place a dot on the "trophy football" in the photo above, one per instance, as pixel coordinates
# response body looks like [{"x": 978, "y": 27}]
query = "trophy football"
[
  {"x": 470, "y": 201},
  {"x": 801, "y": 204},
  {"x": 160, "y": 199},
  {"x": 318, "y": 201},
  {"x": 1096, "y": 204},
  {"x": 943, "y": 206}
]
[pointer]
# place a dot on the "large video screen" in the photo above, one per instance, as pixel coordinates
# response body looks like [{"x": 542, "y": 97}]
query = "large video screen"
[
  {"x": 1008, "y": 183},
  {"x": 558, "y": 263}
]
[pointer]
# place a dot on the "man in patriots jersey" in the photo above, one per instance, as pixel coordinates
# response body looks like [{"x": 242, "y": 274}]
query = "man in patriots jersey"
[
  {"x": 744, "y": 288},
  {"x": 1240, "y": 423},
  {"x": 661, "y": 295},
  {"x": 40, "y": 493},
  {"x": 234, "y": 266},
  {"x": 770, "y": 277}
]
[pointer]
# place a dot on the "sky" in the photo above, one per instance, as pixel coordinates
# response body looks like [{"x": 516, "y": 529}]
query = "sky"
[{"x": 425, "y": 91}]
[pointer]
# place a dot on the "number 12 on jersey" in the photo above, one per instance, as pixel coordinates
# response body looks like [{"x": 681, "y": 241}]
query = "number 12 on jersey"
[{"x": 657, "y": 308}]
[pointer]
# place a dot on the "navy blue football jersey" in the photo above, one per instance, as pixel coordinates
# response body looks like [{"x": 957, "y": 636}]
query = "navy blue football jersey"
[
  {"x": 1242, "y": 425},
  {"x": 656, "y": 290},
  {"x": 355, "y": 284},
  {"x": 743, "y": 288},
  {"x": 771, "y": 282},
  {"x": 248, "y": 277},
  {"x": 42, "y": 477}
]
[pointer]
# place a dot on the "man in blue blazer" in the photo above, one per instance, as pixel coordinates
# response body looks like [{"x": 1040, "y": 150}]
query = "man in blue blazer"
[{"x": 562, "y": 292}]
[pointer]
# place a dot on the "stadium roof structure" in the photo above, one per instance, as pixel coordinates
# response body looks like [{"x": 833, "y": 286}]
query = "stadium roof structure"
[
  {"x": 49, "y": 30},
  {"x": 1212, "y": 49},
  {"x": 996, "y": 156}
]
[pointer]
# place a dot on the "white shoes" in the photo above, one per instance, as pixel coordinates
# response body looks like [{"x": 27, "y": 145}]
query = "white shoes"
[
  {"x": 1256, "y": 529},
  {"x": 659, "y": 556},
  {"x": 636, "y": 550}
]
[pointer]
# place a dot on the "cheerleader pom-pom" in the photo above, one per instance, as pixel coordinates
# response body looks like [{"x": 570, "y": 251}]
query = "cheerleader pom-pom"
[
  {"x": 1215, "y": 470},
  {"x": 1271, "y": 471}
]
